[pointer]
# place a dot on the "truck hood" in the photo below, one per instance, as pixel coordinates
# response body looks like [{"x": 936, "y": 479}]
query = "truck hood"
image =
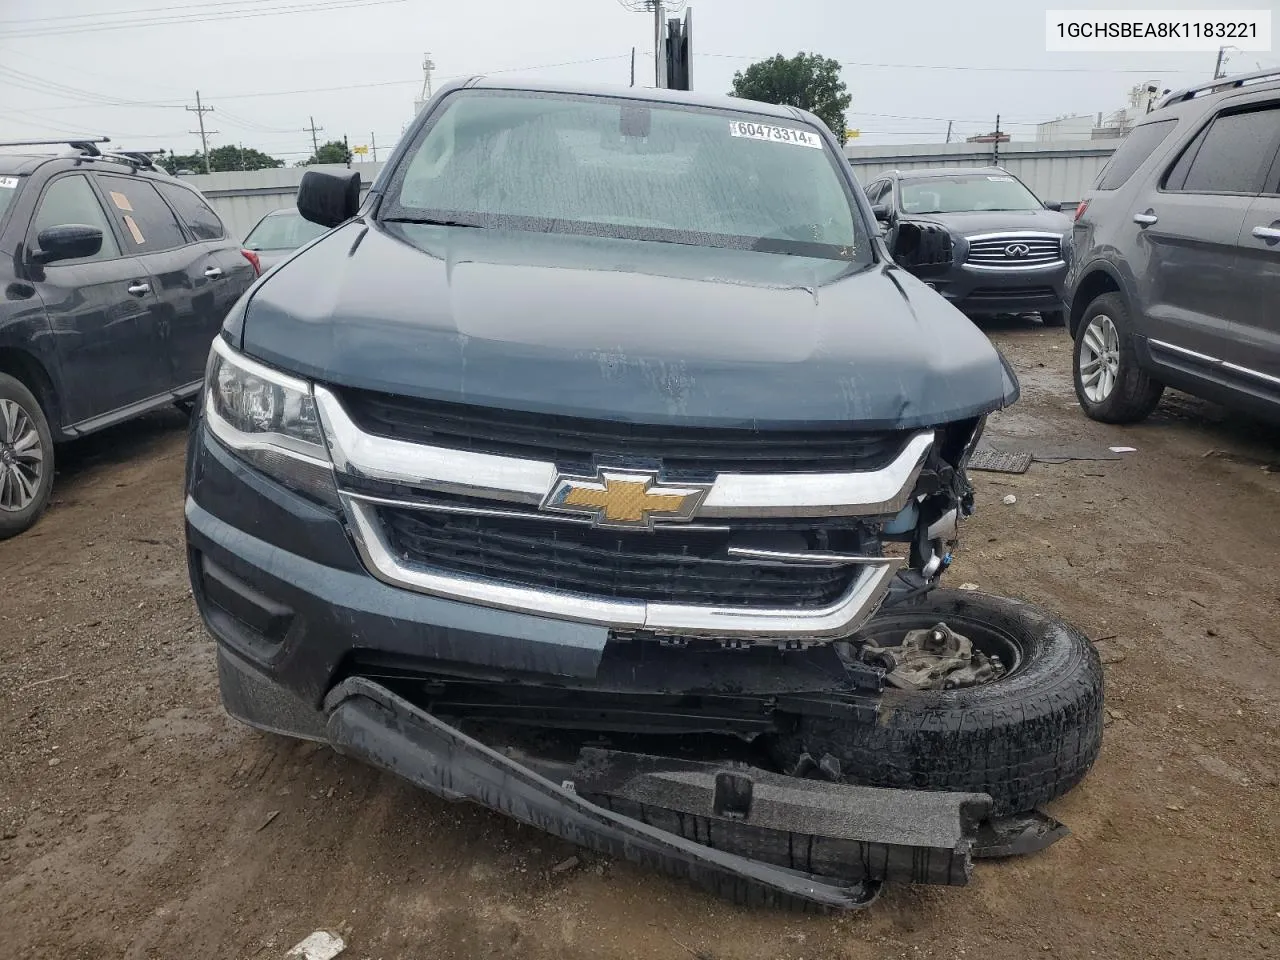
[
  {"x": 618, "y": 329},
  {"x": 998, "y": 221}
]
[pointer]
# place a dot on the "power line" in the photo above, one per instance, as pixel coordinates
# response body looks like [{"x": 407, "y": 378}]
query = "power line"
[
  {"x": 129, "y": 12},
  {"x": 195, "y": 16},
  {"x": 39, "y": 84}
]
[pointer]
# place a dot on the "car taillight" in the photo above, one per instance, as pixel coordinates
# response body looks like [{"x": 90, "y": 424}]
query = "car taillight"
[
  {"x": 1081, "y": 208},
  {"x": 254, "y": 260}
]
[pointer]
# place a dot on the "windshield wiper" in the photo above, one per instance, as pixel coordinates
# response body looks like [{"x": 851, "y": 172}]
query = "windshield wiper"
[{"x": 432, "y": 222}]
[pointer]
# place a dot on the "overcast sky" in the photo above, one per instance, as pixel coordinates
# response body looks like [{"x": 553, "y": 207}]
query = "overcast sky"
[{"x": 355, "y": 65}]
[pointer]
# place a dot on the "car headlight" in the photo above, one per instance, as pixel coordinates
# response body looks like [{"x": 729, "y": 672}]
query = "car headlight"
[{"x": 269, "y": 419}]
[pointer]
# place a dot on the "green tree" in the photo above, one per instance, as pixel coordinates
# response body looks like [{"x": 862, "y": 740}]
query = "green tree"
[
  {"x": 807, "y": 80},
  {"x": 230, "y": 157},
  {"x": 184, "y": 161},
  {"x": 233, "y": 157},
  {"x": 335, "y": 151}
]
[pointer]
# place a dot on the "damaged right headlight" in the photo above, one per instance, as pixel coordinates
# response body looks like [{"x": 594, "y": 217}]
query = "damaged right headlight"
[{"x": 269, "y": 419}]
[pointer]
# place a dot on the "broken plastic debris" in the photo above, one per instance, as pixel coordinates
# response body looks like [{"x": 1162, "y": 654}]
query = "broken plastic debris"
[
  {"x": 1009, "y": 500},
  {"x": 320, "y": 945},
  {"x": 968, "y": 586},
  {"x": 1124, "y": 449}
]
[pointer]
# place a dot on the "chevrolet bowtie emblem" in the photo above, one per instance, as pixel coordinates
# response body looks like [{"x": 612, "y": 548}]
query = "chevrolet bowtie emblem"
[{"x": 624, "y": 498}]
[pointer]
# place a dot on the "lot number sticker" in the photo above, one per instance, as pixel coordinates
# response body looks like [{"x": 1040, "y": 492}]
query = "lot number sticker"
[
  {"x": 763, "y": 131},
  {"x": 8, "y": 183}
]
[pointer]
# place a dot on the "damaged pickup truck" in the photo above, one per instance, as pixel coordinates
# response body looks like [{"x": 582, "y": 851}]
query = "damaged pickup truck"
[{"x": 601, "y": 467}]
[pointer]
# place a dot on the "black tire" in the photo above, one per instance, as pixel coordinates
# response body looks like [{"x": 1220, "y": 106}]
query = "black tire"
[
  {"x": 15, "y": 396},
  {"x": 1135, "y": 394},
  {"x": 1053, "y": 318},
  {"x": 1024, "y": 739}
]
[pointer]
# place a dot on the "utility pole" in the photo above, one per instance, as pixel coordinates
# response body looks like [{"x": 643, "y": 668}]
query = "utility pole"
[
  {"x": 313, "y": 129},
  {"x": 949, "y": 123},
  {"x": 373, "y": 145},
  {"x": 658, "y": 79},
  {"x": 346, "y": 150},
  {"x": 995, "y": 145},
  {"x": 633, "y": 66},
  {"x": 200, "y": 110},
  {"x": 1217, "y": 69}
]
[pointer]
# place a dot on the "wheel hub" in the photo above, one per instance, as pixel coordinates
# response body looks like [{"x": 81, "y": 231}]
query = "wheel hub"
[
  {"x": 1099, "y": 353},
  {"x": 21, "y": 457}
]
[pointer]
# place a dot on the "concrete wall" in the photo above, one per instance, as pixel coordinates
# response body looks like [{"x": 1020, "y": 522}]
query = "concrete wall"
[{"x": 1055, "y": 171}]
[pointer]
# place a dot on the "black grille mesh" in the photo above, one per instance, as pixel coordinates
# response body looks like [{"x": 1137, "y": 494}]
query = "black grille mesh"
[
  {"x": 576, "y": 443},
  {"x": 674, "y": 566}
]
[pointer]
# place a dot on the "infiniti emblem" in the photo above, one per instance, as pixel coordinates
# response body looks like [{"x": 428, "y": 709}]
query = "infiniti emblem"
[{"x": 1016, "y": 251}]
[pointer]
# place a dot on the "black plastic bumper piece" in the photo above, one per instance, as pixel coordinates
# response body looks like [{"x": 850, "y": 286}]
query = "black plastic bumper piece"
[{"x": 745, "y": 821}]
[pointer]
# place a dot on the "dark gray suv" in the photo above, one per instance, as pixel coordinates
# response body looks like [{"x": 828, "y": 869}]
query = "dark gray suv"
[
  {"x": 1177, "y": 275},
  {"x": 979, "y": 236}
]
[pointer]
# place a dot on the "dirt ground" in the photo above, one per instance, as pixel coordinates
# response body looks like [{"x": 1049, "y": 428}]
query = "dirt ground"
[{"x": 138, "y": 821}]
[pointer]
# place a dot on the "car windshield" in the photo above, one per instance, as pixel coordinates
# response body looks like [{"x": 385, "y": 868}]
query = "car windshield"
[
  {"x": 8, "y": 190},
  {"x": 282, "y": 231},
  {"x": 966, "y": 193},
  {"x": 628, "y": 169}
]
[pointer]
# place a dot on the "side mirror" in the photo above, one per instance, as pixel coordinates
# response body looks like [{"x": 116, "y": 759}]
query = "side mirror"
[
  {"x": 882, "y": 212},
  {"x": 329, "y": 198},
  {"x": 69, "y": 241},
  {"x": 1055, "y": 206}
]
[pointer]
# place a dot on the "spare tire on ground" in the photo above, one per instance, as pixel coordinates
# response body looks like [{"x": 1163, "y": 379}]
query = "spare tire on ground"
[{"x": 1024, "y": 739}]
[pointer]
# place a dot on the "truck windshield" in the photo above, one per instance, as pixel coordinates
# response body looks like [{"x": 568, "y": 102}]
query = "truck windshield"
[
  {"x": 628, "y": 169},
  {"x": 967, "y": 193}
]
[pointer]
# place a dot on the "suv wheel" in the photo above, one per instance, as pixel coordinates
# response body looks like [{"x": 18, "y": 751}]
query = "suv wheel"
[
  {"x": 1110, "y": 385},
  {"x": 26, "y": 458}
]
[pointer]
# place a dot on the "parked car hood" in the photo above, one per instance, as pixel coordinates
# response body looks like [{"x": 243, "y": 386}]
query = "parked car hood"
[
  {"x": 618, "y": 329},
  {"x": 999, "y": 221}
]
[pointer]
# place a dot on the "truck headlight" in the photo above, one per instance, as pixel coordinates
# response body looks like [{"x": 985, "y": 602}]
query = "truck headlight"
[{"x": 269, "y": 419}]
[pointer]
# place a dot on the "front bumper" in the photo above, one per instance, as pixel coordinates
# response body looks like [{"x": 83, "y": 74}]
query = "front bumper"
[
  {"x": 778, "y": 840},
  {"x": 440, "y": 691},
  {"x": 986, "y": 291}
]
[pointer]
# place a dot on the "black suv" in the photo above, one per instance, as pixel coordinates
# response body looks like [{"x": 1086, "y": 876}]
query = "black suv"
[
  {"x": 1177, "y": 276},
  {"x": 979, "y": 236},
  {"x": 116, "y": 279}
]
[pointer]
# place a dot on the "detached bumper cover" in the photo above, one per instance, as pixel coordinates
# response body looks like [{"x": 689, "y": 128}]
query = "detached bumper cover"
[{"x": 852, "y": 838}]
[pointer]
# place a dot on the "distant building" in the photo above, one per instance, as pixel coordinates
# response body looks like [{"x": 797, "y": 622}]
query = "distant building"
[
  {"x": 1110, "y": 126},
  {"x": 1065, "y": 128}
]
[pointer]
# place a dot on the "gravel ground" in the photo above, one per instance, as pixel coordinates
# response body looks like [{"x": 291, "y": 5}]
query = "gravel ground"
[{"x": 138, "y": 821}]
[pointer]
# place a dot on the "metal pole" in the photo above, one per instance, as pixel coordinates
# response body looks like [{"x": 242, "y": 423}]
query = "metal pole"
[
  {"x": 995, "y": 144},
  {"x": 658, "y": 79},
  {"x": 949, "y": 123},
  {"x": 633, "y": 66},
  {"x": 373, "y": 144},
  {"x": 1217, "y": 70},
  {"x": 200, "y": 110},
  {"x": 315, "y": 144}
]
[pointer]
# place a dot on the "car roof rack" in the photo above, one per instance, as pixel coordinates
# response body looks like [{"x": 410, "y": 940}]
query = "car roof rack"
[
  {"x": 1218, "y": 85},
  {"x": 86, "y": 145},
  {"x": 138, "y": 159}
]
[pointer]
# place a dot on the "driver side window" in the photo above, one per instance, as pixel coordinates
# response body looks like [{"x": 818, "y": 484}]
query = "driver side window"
[{"x": 71, "y": 200}]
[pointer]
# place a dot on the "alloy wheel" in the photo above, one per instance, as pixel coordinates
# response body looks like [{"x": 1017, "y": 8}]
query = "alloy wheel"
[
  {"x": 1099, "y": 358},
  {"x": 21, "y": 457}
]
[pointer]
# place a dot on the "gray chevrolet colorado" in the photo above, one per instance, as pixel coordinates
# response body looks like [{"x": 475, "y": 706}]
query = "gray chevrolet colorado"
[{"x": 600, "y": 466}]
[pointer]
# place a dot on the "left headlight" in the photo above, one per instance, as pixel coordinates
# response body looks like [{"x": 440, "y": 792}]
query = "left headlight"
[{"x": 269, "y": 419}]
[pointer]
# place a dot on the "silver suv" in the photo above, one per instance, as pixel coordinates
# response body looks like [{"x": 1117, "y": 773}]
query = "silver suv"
[{"x": 1176, "y": 279}]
